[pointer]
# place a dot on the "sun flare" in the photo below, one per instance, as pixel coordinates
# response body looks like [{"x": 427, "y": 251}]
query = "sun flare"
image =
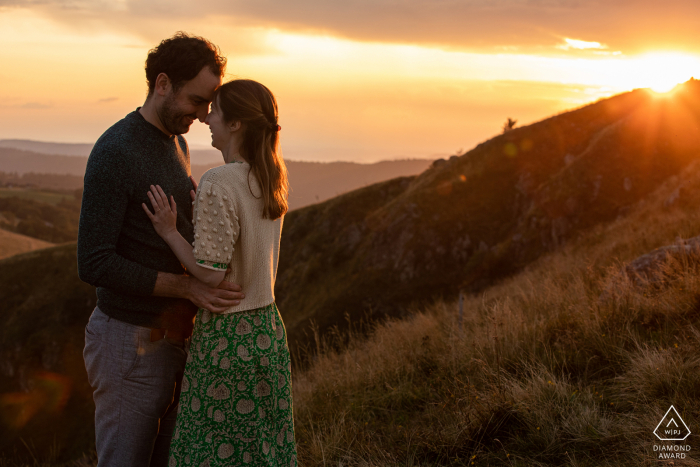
[{"x": 663, "y": 71}]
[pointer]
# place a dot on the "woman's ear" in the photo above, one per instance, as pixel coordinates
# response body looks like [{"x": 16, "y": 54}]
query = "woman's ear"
[{"x": 234, "y": 126}]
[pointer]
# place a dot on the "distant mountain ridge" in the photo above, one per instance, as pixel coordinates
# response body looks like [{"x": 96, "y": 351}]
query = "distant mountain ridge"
[
  {"x": 42, "y": 147},
  {"x": 311, "y": 182},
  {"x": 201, "y": 156}
]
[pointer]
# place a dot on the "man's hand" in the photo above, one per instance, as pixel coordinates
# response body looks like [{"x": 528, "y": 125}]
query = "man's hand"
[{"x": 216, "y": 300}]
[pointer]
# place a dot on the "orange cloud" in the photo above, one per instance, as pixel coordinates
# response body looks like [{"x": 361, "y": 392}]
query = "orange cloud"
[{"x": 478, "y": 25}]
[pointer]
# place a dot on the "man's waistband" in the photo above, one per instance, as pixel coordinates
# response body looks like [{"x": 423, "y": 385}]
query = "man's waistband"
[
  {"x": 174, "y": 335},
  {"x": 177, "y": 327}
]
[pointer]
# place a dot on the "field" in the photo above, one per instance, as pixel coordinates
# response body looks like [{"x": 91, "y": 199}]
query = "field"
[
  {"x": 48, "y": 215},
  {"x": 12, "y": 244},
  {"x": 42, "y": 196}
]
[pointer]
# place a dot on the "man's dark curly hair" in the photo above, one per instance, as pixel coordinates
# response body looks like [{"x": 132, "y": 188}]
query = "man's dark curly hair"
[{"x": 182, "y": 57}]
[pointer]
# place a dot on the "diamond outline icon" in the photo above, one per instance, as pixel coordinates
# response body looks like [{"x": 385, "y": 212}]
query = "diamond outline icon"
[{"x": 679, "y": 418}]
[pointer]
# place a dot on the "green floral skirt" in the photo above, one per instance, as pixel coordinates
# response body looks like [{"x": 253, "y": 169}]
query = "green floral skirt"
[{"x": 236, "y": 399}]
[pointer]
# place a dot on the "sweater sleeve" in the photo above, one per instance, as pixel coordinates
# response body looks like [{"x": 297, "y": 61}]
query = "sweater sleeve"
[
  {"x": 216, "y": 226},
  {"x": 106, "y": 196}
]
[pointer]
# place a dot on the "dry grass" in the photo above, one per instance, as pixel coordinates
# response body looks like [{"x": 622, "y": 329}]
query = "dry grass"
[{"x": 542, "y": 370}]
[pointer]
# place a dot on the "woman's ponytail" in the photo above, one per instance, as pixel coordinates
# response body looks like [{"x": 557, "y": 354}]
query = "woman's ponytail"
[{"x": 255, "y": 106}]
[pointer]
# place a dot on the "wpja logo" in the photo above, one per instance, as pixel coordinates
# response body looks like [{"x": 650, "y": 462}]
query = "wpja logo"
[{"x": 672, "y": 428}]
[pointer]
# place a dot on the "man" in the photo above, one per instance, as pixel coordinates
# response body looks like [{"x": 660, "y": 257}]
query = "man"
[{"x": 137, "y": 338}]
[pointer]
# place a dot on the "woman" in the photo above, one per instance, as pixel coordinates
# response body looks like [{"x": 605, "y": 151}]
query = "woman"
[{"x": 236, "y": 400}]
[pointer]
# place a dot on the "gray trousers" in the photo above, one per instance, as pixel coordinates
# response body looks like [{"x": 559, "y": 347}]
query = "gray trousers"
[{"x": 136, "y": 386}]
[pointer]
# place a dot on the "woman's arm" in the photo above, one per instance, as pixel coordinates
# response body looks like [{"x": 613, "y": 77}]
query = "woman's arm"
[{"x": 164, "y": 221}]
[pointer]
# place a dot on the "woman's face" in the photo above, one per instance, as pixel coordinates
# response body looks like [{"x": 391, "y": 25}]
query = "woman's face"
[{"x": 220, "y": 130}]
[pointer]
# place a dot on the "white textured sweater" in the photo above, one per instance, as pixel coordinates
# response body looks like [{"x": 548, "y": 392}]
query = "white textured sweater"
[{"x": 229, "y": 229}]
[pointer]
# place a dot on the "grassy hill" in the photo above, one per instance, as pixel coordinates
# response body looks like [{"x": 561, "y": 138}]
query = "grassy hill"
[
  {"x": 465, "y": 223},
  {"x": 569, "y": 362},
  {"x": 12, "y": 244},
  {"x": 532, "y": 226},
  {"x": 45, "y": 399},
  {"x": 51, "y": 216}
]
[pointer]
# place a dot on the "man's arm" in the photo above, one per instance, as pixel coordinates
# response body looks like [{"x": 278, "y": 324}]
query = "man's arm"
[
  {"x": 216, "y": 300},
  {"x": 105, "y": 200}
]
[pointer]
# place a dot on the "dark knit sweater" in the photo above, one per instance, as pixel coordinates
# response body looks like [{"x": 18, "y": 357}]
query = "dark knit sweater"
[{"x": 119, "y": 251}]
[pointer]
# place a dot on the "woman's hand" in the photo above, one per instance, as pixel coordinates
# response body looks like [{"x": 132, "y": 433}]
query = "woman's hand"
[{"x": 165, "y": 217}]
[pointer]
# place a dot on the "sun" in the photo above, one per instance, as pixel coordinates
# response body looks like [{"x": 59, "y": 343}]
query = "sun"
[{"x": 662, "y": 71}]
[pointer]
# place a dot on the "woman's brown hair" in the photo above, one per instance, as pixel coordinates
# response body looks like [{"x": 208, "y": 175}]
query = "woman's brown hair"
[{"x": 255, "y": 107}]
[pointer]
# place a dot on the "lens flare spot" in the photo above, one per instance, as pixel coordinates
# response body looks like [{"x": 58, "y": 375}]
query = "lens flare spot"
[
  {"x": 49, "y": 394},
  {"x": 510, "y": 150}
]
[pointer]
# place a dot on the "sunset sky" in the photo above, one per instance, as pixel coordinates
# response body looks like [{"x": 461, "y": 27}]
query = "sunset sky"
[{"x": 356, "y": 80}]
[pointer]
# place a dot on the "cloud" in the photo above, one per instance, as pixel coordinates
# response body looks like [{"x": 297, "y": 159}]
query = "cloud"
[
  {"x": 580, "y": 45},
  {"x": 107, "y": 100},
  {"x": 476, "y": 25},
  {"x": 35, "y": 106}
]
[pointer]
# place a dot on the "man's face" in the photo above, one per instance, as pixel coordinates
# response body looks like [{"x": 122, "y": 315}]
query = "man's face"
[{"x": 178, "y": 110}]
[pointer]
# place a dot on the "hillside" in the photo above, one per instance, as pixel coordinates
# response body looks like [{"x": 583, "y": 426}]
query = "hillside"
[
  {"x": 41, "y": 147},
  {"x": 51, "y": 216},
  {"x": 528, "y": 224},
  {"x": 42, "y": 181},
  {"x": 13, "y": 244},
  {"x": 479, "y": 217},
  {"x": 569, "y": 362},
  {"x": 45, "y": 398},
  {"x": 21, "y": 161}
]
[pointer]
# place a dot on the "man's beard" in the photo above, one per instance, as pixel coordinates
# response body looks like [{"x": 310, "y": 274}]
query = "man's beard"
[{"x": 172, "y": 119}]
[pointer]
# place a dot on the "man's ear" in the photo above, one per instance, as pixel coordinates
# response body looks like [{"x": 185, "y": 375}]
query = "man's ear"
[{"x": 163, "y": 84}]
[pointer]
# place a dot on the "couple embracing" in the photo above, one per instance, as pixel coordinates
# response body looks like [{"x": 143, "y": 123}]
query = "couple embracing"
[{"x": 186, "y": 350}]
